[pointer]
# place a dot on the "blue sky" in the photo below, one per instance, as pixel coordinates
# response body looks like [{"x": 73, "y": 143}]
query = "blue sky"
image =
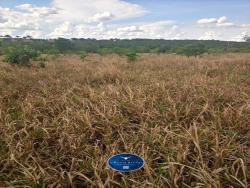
[
  {"x": 192, "y": 9},
  {"x": 170, "y": 19},
  {"x": 13, "y": 3},
  {"x": 183, "y": 10}
]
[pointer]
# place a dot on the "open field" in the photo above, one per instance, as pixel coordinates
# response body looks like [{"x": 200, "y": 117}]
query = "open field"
[{"x": 188, "y": 117}]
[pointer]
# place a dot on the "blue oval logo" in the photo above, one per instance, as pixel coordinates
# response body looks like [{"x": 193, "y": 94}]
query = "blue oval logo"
[{"x": 126, "y": 162}]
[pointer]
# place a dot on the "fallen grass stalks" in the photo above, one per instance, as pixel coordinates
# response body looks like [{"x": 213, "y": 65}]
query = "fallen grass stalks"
[{"x": 188, "y": 117}]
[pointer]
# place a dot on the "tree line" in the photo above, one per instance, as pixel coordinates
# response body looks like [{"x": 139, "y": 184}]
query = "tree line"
[{"x": 22, "y": 48}]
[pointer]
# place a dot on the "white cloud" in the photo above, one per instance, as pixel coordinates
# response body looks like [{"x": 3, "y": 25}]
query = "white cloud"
[
  {"x": 245, "y": 26},
  {"x": 24, "y": 6},
  {"x": 174, "y": 27},
  {"x": 20, "y": 24},
  {"x": 159, "y": 24},
  {"x": 6, "y": 32},
  {"x": 132, "y": 28},
  {"x": 240, "y": 37},
  {"x": 25, "y": 17},
  {"x": 209, "y": 35},
  {"x": 226, "y": 24},
  {"x": 64, "y": 30},
  {"x": 154, "y": 30},
  {"x": 33, "y": 33},
  {"x": 159, "y": 29},
  {"x": 83, "y": 10},
  {"x": 2, "y": 19},
  {"x": 102, "y": 17},
  {"x": 37, "y": 11},
  {"x": 207, "y": 21},
  {"x": 220, "y": 22}
]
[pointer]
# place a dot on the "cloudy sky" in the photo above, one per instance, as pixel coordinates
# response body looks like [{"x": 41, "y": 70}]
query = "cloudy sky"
[{"x": 104, "y": 19}]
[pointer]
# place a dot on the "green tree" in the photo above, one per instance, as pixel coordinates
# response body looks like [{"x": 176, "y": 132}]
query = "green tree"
[
  {"x": 21, "y": 55},
  {"x": 64, "y": 45},
  {"x": 191, "y": 50}
]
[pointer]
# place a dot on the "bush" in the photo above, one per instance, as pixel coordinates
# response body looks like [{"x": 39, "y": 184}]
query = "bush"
[
  {"x": 21, "y": 55},
  {"x": 83, "y": 56},
  {"x": 132, "y": 56},
  {"x": 43, "y": 62}
]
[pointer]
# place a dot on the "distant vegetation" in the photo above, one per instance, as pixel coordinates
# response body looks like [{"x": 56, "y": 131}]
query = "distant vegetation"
[{"x": 122, "y": 47}]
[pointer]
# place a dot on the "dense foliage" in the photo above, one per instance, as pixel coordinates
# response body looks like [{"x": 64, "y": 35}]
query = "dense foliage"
[
  {"x": 20, "y": 55},
  {"x": 191, "y": 50},
  {"x": 123, "y": 47}
]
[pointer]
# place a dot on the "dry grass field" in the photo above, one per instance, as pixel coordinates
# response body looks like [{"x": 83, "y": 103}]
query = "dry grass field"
[{"x": 188, "y": 117}]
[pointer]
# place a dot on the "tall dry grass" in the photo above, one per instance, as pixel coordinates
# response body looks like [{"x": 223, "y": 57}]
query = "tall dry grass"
[{"x": 189, "y": 118}]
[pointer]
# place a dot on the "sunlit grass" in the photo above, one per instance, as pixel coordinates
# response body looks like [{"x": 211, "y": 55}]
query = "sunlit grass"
[{"x": 188, "y": 117}]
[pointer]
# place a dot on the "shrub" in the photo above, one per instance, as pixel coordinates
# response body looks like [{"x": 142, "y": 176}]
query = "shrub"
[
  {"x": 43, "y": 62},
  {"x": 21, "y": 55},
  {"x": 83, "y": 56},
  {"x": 132, "y": 56}
]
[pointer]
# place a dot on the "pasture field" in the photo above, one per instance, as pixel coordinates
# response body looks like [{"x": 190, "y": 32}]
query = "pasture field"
[{"x": 188, "y": 117}]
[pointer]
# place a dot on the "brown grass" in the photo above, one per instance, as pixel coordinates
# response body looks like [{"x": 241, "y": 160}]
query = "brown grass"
[{"x": 189, "y": 118}]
